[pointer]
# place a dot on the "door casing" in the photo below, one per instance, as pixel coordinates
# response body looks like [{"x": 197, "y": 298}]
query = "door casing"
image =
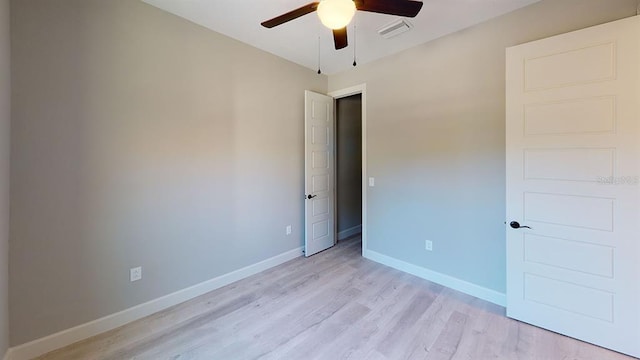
[{"x": 338, "y": 94}]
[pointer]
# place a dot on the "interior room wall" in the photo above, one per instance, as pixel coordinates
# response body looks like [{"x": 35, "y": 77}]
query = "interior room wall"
[
  {"x": 349, "y": 163},
  {"x": 435, "y": 140},
  {"x": 5, "y": 115},
  {"x": 141, "y": 139}
]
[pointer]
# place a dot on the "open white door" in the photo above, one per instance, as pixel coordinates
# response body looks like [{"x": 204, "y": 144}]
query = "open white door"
[
  {"x": 573, "y": 161},
  {"x": 319, "y": 170}
]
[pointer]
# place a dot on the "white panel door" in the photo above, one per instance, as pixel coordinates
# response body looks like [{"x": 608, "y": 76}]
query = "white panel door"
[
  {"x": 319, "y": 173},
  {"x": 573, "y": 161}
]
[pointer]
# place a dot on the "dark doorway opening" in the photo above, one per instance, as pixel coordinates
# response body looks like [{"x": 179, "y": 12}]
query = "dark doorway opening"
[{"x": 349, "y": 167}]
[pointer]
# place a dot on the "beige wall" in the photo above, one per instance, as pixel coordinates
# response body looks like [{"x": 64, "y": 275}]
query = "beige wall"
[
  {"x": 435, "y": 140},
  {"x": 140, "y": 139},
  {"x": 5, "y": 114}
]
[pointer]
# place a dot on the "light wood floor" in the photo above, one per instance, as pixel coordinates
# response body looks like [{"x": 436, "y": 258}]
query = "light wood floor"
[{"x": 334, "y": 305}]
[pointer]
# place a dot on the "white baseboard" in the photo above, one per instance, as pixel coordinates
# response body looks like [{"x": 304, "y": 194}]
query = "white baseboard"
[
  {"x": 349, "y": 232},
  {"x": 63, "y": 338},
  {"x": 480, "y": 292}
]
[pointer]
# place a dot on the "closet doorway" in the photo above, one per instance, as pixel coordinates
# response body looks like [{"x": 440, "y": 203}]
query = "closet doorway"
[{"x": 349, "y": 160}]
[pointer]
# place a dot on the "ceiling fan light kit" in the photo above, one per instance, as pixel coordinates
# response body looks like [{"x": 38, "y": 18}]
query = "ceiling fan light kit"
[{"x": 336, "y": 14}]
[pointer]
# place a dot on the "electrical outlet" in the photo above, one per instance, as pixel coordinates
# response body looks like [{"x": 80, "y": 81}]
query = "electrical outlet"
[
  {"x": 135, "y": 274},
  {"x": 288, "y": 230},
  {"x": 428, "y": 245}
]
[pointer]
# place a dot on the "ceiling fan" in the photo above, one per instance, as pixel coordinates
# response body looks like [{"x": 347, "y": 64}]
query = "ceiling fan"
[{"x": 336, "y": 14}]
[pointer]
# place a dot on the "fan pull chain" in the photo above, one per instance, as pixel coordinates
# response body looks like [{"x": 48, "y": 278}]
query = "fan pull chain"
[
  {"x": 319, "y": 71},
  {"x": 354, "y": 42}
]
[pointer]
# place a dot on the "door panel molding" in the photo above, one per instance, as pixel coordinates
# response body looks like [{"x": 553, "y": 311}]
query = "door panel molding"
[
  {"x": 319, "y": 170},
  {"x": 573, "y": 131}
]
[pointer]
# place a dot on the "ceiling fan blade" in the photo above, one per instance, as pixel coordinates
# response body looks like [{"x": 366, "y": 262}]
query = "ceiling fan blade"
[
  {"x": 294, "y": 14},
  {"x": 406, "y": 8},
  {"x": 340, "y": 38}
]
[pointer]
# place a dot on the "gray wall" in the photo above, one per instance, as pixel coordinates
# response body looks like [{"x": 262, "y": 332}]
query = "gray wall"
[
  {"x": 142, "y": 139},
  {"x": 349, "y": 162},
  {"x": 5, "y": 115},
  {"x": 435, "y": 138}
]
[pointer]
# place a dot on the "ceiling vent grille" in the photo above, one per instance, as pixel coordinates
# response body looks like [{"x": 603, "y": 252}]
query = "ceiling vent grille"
[{"x": 395, "y": 28}]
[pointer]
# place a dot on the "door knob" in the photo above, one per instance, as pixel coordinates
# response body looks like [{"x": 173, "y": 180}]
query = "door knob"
[
  {"x": 311, "y": 196},
  {"x": 516, "y": 225}
]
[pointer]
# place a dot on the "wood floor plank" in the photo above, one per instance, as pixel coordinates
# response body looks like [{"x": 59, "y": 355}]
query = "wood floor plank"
[
  {"x": 333, "y": 305},
  {"x": 446, "y": 347},
  {"x": 257, "y": 316},
  {"x": 433, "y": 322},
  {"x": 322, "y": 335},
  {"x": 385, "y": 315}
]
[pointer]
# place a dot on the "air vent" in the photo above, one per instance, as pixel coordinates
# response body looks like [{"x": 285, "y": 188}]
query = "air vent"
[{"x": 395, "y": 28}]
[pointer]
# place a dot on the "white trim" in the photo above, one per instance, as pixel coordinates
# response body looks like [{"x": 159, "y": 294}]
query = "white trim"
[
  {"x": 360, "y": 89},
  {"x": 349, "y": 232},
  {"x": 480, "y": 292},
  {"x": 67, "y": 337}
]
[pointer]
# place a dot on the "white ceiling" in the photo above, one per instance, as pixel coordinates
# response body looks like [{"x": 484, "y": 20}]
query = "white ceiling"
[{"x": 297, "y": 40}]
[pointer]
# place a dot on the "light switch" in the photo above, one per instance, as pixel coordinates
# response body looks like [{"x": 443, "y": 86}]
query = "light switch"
[{"x": 372, "y": 182}]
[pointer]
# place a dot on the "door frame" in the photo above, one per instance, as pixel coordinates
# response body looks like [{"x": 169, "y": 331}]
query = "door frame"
[{"x": 338, "y": 94}]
